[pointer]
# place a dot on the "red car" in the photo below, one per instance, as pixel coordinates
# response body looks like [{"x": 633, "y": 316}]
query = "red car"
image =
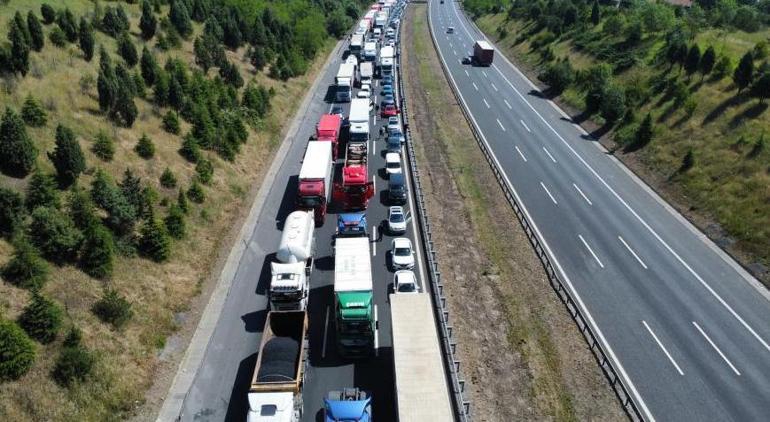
[{"x": 389, "y": 110}]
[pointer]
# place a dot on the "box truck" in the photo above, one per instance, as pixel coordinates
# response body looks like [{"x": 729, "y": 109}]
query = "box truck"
[{"x": 315, "y": 178}]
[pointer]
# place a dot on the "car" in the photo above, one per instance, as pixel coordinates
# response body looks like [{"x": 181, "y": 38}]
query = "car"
[
  {"x": 385, "y": 101},
  {"x": 397, "y": 190},
  {"x": 391, "y": 43},
  {"x": 387, "y": 90},
  {"x": 394, "y": 123},
  {"x": 367, "y": 88},
  {"x": 387, "y": 80},
  {"x": 392, "y": 163},
  {"x": 362, "y": 94},
  {"x": 389, "y": 98},
  {"x": 401, "y": 254},
  {"x": 387, "y": 110},
  {"x": 450, "y": 30},
  {"x": 467, "y": 60},
  {"x": 397, "y": 220},
  {"x": 405, "y": 282},
  {"x": 393, "y": 144}
]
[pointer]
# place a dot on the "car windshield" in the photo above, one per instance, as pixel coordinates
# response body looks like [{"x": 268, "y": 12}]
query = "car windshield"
[
  {"x": 406, "y": 288},
  {"x": 397, "y": 218},
  {"x": 394, "y": 165},
  {"x": 403, "y": 252}
]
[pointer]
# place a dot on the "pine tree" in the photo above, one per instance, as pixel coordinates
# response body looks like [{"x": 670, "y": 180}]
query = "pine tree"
[
  {"x": 86, "y": 39},
  {"x": 199, "y": 10},
  {"x": 167, "y": 180},
  {"x": 41, "y": 319},
  {"x": 66, "y": 21},
  {"x": 180, "y": 18},
  {"x": 32, "y": 113},
  {"x": 204, "y": 170},
  {"x": 175, "y": 94},
  {"x": 148, "y": 23},
  {"x": 26, "y": 269},
  {"x": 131, "y": 187},
  {"x": 54, "y": 233},
  {"x": 12, "y": 210},
  {"x": 127, "y": 49},
  {"x": 229, "y": 72},
  {"x": 196, "y": 193},
  {"x": 124, "y": 25},
  {"x": 155, "y": 242},
  {"x": 145, "y": 148},
  {"x": 708, "y": 60},
  {"x": 692, "y": 62},
  {"x": 107, "y": 83},
  {"x": 17, "y": 152},
  {"x": 37, "y": 39},
  {"x": 744, "y": 73},
  {"x": 125, "y": 110},
  {"x": 48, "y": 13},
  {"x": 21, "y": 24},
  {"x": 67, "y": 157},
  {"x": 113, "y": 309},
  {"x": 596, "y": 15},
  {"x": 258, "y": 58},
  {"x": 181, "y": 201},
  {"x": 761, "y": 87},
  {"x": 174, "y": 222},
  {"x": 149, "y": 67},
  {"x": 98, "y": 253},
  {"x": 82, "y": 209},
  {"x": 160, "y": 92},
  {"x": 103, "y": 147},
  {"x": 171, "y": 122},
  {"x": 42, "y": 192},
  {"x": 74, "y": 363},
  {"x": 19, "y": 57},
  {"x": 57, "y": 37},
  {"x": 687, "y": 162},
  {"x": 644, "y": 134},
  {"x": 17, "y": 351}
]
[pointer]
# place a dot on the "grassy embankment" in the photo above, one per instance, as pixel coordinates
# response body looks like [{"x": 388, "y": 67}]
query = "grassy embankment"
[
  {"x": 507, "y": 319},
  {"x": 159, "y": 293},
  {"x": 729, "y": 182}
]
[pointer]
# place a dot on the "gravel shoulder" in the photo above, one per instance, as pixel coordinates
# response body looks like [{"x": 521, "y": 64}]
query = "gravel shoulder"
[{"x": 521, "y": 354}]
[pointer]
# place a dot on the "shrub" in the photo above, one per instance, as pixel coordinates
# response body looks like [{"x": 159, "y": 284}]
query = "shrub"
[
  {"x": 196, "y": 193},
  {"x": 98, "y": 253},
  {"x": 145, "y": 148},
  {"x": 74, "y": 363},
  {"x": 113, "y": 309},
  {"x": 17, "y": 152},
  {"x": 722, "y": 68},
  {"x": 41, "y": 319},
  {"x": 154, "y": 242},
  {"x": 48, "y": 13},
  {"x": 174, "y": 222},
  {"x": 559, "y": 76},
  {"x": 57, "y": 37},
  {"x": 181, "y": 200},
  {"x": 190, "y": 149},
  {"x": 744, "y": 73},
  {"x": 26, "y": 269},
  {"x": 687, "y": 162},
  {"x": 103, "y": 147},
  {"x": 54, "y": 233},
  {"x": 127, "y": 49},
  {"x": 67, "y": 157},
  {"x": 41, "y": 191},
  {"x": 613, "y": 103},
  {"x": 11, "y": 211},
  {"x": 148, "y": 23},
  {"x": 82, "y": 209},
  {"x": 149, "y": 67},
  {"x": 66, "y": 21},
  {"x": 32, "y": 113},
  {"x": 17, "y": 351},
  {"x": 171, "y": 122},
  {"x": 167, "y": 179},
  {"x": 86, "y": 39},
  {"x": 180, "y": 18},
  {"x": 643, "y": 135},
  {"x": 205, "y": 171},
  {"x": 37, "y": 40}
]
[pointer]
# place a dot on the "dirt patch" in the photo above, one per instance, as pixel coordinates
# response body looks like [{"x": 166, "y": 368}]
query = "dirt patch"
[{"x": 521, "y": 354}]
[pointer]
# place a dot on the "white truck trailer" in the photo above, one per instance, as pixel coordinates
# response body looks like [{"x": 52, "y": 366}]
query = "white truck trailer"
[
  {"x": 357, "y": 42},
  {"x": 290, "y": 282},
  {"x": 359, "y": 120},
  {"x": 386, "y": 61},
  {"x": 344, "y": 82},
  {"x": 422, "y": 390},
  {"x": 370, "y": 51},
  {"x": 315, "y": 179},
  {"x": 366, "y": 70}
]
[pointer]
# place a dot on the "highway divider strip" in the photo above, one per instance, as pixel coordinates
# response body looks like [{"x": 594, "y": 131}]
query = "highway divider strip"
[{"x": 562, "y": 291}]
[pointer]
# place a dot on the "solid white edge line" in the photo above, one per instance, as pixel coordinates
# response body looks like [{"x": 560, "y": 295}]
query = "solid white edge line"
[
  {"x": 325, "y": 334},
  {"x": 582, "y": 194},
  {"x": 549, "y": 194},
  {"x": 501, "y": 125},
  {"x": 716, "y": 348},
  {"x": 662, "y": 347},
  {"x": 587, "y": 313},
  {"x": 525, "y": 126},
  {"x": 633, "y": 253},
  {"x": 485, "y": 102},
  {"x": 590, "y": 250},
  {"x": 520, "y": 153}
]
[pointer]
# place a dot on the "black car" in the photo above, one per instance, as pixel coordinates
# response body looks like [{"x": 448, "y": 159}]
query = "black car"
[
  {"x": 394, "y": 144},
  {"x": 397, "y": 189},
  {"x": 467, "y": 60}
]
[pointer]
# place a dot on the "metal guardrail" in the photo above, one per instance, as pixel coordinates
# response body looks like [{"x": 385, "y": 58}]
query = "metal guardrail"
[
  {"x": 448, "y": 345},
  {"x": 564, "y": 294}
]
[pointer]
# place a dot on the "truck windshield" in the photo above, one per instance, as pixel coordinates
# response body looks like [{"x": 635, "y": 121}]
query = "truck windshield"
[
  {"x": 360, "y": 327},
  {"x": 310, "y": 201},
  {"x": 355, "y": 189}
]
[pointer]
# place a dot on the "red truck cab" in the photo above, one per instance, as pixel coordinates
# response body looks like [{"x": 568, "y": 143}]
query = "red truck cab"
[
  {"x": 356, "y": 189},
  {"x": 328, "y": 130}
]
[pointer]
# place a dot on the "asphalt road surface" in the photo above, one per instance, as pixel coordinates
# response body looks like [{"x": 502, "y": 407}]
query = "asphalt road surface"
[
  {"x": 686, "y": 326},
  {"x": 219, "y": 391}
]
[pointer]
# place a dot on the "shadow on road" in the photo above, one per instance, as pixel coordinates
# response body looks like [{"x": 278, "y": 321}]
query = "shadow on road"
[
  {"x": 254, "y": 322},
  {"x": 376, "y": 376},
  {"x": 263, "y": 283},
  {"x": 287, "y": 201},
  {"x": 239, "y": 404}
]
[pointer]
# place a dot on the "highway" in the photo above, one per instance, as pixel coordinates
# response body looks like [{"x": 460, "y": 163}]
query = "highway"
[
  {"x": 219, "y": 389},
  {"x": 685, "y": 325}
]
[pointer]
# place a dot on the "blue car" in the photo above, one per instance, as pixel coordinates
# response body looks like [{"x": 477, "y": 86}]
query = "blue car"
[
  {"x": 387, "y": 90},
  {"x": 387, "y": 80}
]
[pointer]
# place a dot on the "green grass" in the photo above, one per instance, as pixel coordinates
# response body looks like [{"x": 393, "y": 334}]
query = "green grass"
[{"x": 726, "y": 184}]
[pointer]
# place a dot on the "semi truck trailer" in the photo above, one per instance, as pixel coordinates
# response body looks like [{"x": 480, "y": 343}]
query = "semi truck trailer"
[
  {"x": 275, "y": 393},
  {"x": 344, "y": 82},
  {"x": 359, "y": 120},
  {"x": 483, "y": 53},
  {"x": 386, "y": 61},
  {"x": 355, "y": 323},
  {"x": 315, "y": 179},
  {"x": 366, "y": 70},
  {"x": 328, "y": 130},
  {"x": 290, "y": 282}
]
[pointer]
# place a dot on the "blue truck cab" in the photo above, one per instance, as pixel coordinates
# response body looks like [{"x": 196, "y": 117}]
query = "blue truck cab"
[
  {"x": 349, "y": 404},
  {"x": 352, "y": 224}
]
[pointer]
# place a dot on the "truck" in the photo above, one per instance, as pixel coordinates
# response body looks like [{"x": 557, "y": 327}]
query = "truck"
[
  {"x": 328, "y": 130},
  {"x": 380, "y": 19},
  {"x": 290, "y": 281},
  {"x": 359, "y": 120},
  {"x": 417, "y": 365},
  {"x": 357, "y": 44},
  {"x": 370, "y": 51},
  {"x": 354, "y": 308},
  {"x": 344, "y": 82},
  {"x": 315, "y": 179},
  {"x": 351, "y": 224},
  {"x": 386, "y": 61},
  {"x": 483, "y": 53},
  {"x": 366, "y": 70},
  {"x": 348, "y": 404},
  {"x": 275, "y": 393},
  {"x": 356, "y": 189}
]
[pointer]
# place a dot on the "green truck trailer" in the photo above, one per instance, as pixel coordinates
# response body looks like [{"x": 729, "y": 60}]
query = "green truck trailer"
[{"x": 353, "y": 300}]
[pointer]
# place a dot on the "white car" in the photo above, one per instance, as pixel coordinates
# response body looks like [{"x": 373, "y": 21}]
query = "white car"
[
  {"x": 367, "y": 88},
  {"x": 401, "y": 254},
  {"x": 404, "y": 282},
  {"x": 392, "y": 163},
  {"x": 397, "y": 220},
  {"x": 392, "y": 43},
  {"x": 362, "y": 94},
  {"x": 394, "y": 124}
]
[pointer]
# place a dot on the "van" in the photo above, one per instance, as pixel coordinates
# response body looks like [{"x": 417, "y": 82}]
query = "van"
[{"x": 397, "y": 189}]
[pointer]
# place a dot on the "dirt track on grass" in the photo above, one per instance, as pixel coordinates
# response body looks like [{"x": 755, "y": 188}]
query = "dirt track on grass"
[{"x": 522, "y": 356}]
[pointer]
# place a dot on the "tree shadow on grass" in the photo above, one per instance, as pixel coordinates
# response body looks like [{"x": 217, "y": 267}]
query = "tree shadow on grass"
[
  {"x": 750, "y": 113},
  {"x": 733, "y": 101}
]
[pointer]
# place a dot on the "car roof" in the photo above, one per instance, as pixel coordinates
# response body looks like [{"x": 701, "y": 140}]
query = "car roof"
[
  {"x": 396, "y": 208},
  {"x": 402, "y": 242},
  {"x": 406, "y": 276},
  {"x": 392, "y": 156}
]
